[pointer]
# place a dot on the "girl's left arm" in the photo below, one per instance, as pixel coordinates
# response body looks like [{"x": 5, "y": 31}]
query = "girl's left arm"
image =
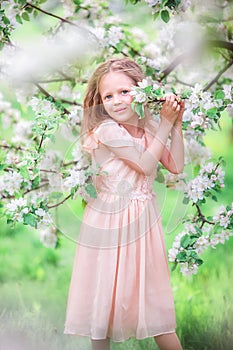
[{"x": 173, "y": 157}]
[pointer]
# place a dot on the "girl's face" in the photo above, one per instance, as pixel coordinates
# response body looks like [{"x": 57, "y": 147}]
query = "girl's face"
[{"x": 114, "y": 90}]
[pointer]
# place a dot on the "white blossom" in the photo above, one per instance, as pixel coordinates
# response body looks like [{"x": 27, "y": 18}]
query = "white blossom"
[
  {"x": 48, "y": 238},
  {"x": 51, "y": 158},
  {"x": 115, "y": 34},
  {"x": 227, "y": 89},
  {"x": 201, "y": 244},
  {"x": 76, "y": 177},
  {"x": 172, "y": 253},
  {"x": 11, "y": 182},
  {"x": 152, "y": 3},
  {"x": 187, "y": 270},
  {"x": 74, "y": 117},
  {"x": 229, "y": 110},
  {"x": 138, "y": 96},
  {"x": 195, "y": 153},
  {"x": 175, "y": 181},
  {"x": 144, "y": 83},
  {"x": 15, "y": 204},
  {"x": 40, "y": 212},
  {"x": 22, "y": 132},
  {"x": 99, "y": 32},
  {"x": 45, "y": 220},
  {"x": 195, "y": 188},
  {"x": 69, "y": 7},
  {"x": 184, "y": 5}
]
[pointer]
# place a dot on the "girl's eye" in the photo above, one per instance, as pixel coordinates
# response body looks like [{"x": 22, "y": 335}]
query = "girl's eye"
[
  {"x": 125, "y": 92},
  {"x": 107, "y": 97}
]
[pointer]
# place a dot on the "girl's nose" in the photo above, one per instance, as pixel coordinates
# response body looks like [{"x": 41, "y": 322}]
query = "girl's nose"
[{"x": 117, "y": 99}]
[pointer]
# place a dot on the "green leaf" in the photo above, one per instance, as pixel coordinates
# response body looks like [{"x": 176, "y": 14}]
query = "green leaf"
[
  {"x": 10, "y": 222},
  {"x": 181, "y": 257},
  {"x": 219, "y": 95},
  {"x": 199, "y": 262},
  {"x": 25, "y": 16},
  {"x": 156, "y": 15},
  {"x": 18, "y": 19},
  {"x": 165, "y": 16},
  {"x": 196, "y": 257},
  {"x": 90, "y": 189},
  {"x": 36, "y": 182},
  {"x": 84, "y": 203},
  {"x": 214, "y": 198},
  {"x": 185, "y": 241},
  {"x": 139, "y": 109},
  {"x": 160, "y": 177},
  {"x": 29, "y": 219},
  {"x": 185, "y": 200},
  {"x": 35, "y": 13},
  {"x": 24, "y": 173},
  {"x": 5, "y": 20},
  {"x": 198, "y": 230},
  {"x": 2, "y": 166},
  {"x": 174, "y": 266},
  {"x": 211, "y": 112}
]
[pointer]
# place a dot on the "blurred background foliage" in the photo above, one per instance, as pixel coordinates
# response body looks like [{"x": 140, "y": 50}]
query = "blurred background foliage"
[{"x": 34, "y": 280}]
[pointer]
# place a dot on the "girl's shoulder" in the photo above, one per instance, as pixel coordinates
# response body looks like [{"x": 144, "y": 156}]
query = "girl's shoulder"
[
  {"x": 105, "y": 123},
  {"x": 108, "y": 133}
]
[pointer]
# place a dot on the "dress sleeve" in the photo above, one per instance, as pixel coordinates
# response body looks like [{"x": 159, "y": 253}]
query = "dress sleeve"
[
  {"x": 89, "y": 142},
  {"x": 112, "y": 134}
]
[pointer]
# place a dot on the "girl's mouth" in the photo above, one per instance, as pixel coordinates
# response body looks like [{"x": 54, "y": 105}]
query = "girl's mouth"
[{"x": 120, "y": 110}]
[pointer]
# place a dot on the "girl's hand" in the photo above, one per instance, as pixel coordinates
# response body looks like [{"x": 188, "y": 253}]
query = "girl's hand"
[
  {"x": 181, "y": 112},
  {"x": 171, "y": 109}
]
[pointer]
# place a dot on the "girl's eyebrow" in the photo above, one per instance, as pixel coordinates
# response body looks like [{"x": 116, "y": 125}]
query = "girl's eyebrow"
[{"x": 108, "y": 92}]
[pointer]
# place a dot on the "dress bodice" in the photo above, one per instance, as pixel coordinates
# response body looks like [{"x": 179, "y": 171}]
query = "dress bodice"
[{"x": 116, "y": 176}]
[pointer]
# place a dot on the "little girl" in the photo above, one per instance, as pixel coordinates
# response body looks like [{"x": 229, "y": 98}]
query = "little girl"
[{"x": 120, "y": 286}]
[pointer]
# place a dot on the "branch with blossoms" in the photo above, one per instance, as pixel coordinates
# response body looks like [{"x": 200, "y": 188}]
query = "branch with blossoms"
[
  {"x": 166, "y": 8},
  {"x": 200, "y": 231},
  {"x": 203, "y": 109},
  {"x": 21, "y": 187}
]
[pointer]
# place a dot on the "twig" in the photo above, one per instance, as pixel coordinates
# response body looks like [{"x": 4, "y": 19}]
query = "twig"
[
  {"x": 71, "y": 102},
  {"x": 172, "y": 66},
  {"x": 215, "y": 79},
  {"x": 63, "y": 20},
  {"x": 221, "y": 43},
  {"x": 41, "y": 141},
  {"x": 17, "y": 148},
  {"x": 50, "y": 14},
  {"x": 57, "y": 80},
  {"x": 210, "y": 43},
  {"x": 183, "y": 82},
  {"x": 36, "y": 188},
  {"x": 59, "y": 203},
  {"x": 202, "y": 216},
  {"x": 47, "y": 94}
]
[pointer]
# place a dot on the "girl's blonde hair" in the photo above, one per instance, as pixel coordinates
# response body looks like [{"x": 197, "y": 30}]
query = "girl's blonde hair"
[{"x": 94, "y": 112}]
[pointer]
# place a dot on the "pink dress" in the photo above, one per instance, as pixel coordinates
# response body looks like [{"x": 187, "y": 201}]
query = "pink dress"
[{"x": 120, "y": 286}]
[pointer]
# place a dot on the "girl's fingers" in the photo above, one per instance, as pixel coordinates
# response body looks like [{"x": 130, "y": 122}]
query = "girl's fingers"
[{"x": 174, "y": 105}]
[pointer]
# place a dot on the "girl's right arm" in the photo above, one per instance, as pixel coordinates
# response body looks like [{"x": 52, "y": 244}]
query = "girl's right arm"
[{"x": 147, "y": 162}]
